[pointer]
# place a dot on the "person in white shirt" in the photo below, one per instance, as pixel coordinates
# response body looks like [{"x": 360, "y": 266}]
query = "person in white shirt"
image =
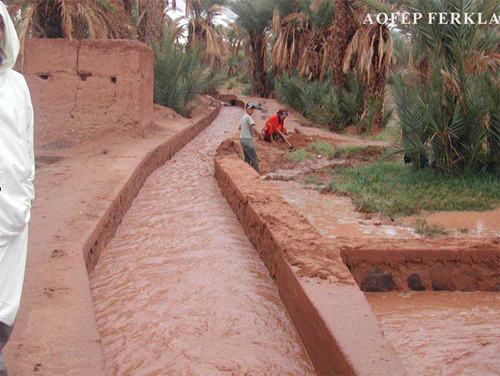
[
  {"x": 17, "y": 171},
  {"x": 248, "y": 129}
]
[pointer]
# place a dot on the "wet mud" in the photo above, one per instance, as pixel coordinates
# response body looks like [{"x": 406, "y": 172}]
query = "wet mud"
[
  {"x": 180, "y": 289},
  {"x": 442, "y": 333},
  {"x": 336, "y": 217},
  {"x": 470, "y": 224}
]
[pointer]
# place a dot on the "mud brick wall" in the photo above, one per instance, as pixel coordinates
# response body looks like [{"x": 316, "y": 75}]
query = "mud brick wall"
[{"x": 81, "y": 89}]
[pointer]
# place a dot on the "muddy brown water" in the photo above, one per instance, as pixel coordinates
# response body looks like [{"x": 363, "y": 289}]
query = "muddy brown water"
[
  {"x": 442, "y": 333},
  {"x": 478, "y": 224},
  {"x": 335, "y": 216},
  {"x": 181, "y": 291}
]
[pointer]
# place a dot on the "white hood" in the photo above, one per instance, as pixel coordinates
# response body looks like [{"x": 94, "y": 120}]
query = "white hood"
[{"x": 10, "y": 45}]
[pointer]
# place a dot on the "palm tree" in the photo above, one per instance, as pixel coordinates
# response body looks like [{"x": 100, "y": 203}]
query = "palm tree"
[
  {"x": 447, "y": 103},
  {"x": 203, "y": 33},
  {"x": 345, "y": 28},
  {"x": 303, "y": 37},
  {"x": 234, "y": 39},
  {"x": 370, "y": 50},
  {"x": 79, "y": 19},
  {"x": 151, "y": 19},
  {"x": 255, "y": 17}
]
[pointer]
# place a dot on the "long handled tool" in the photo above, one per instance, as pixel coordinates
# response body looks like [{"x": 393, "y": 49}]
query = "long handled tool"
[{"x": 286, "y": 139}]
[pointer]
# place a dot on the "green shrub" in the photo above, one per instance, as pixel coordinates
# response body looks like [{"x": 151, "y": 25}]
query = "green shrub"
[
  {"x": 329, "y": 105},
  {"x": 180, "y": 77},
  {"x": 448, "y": 105}
]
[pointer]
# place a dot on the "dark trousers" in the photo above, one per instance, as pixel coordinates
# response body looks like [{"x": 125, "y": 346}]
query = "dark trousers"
[
  {"x": 5, "y": 332},
  {"x": 250, "y": 153}
]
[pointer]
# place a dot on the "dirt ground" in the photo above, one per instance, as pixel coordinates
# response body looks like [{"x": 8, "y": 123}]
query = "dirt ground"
[{"x": 55, "y": 331}]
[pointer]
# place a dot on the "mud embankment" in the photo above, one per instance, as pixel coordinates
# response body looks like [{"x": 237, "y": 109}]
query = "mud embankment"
[
  {"x": 425, "y": 265},
  {"x": 331, "y": 314},
  {"x": 106, "y": 228}
]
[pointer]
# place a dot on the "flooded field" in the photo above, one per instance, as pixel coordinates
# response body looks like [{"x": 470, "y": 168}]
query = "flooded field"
[
  {"x": 335, "y": 216},
  {"x": 180, "y": 290},
  {"x": 476, "y": 224},
  {"x": 442, "y": 333}
]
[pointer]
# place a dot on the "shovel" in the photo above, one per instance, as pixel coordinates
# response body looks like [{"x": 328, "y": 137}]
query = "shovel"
[{"x": 286, "y": 140}]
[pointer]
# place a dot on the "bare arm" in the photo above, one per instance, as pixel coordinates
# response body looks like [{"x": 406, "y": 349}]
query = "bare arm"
[{"x": 255, "y": 131}]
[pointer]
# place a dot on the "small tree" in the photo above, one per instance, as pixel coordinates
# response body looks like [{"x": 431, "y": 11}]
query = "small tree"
[{"x": 255, "y": 17}]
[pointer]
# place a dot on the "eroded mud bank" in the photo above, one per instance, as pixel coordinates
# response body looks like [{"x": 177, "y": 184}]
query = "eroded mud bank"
[{"x": 181, "y": 290}]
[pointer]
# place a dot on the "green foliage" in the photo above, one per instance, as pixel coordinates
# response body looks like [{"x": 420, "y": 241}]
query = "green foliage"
[
  {"x": 327, "y": 104},
  {"x": 323, "y": 148},
  {"x": 253, "y": 15},
  {"x": 299, "y": 155},
  {"x": 247, "y": 90},
  {"x": 180, "y": 77},
  {"x": 431, "y": 231},
  {"x": 393, "y": 189},
  {"x": 447, "y": 100}
]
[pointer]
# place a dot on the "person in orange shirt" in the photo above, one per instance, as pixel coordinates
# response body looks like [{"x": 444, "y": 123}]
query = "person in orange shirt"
[{"x": 270, "y": 132}]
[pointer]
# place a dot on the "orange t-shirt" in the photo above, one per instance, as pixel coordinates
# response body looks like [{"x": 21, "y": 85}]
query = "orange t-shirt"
[{"x": 273, "y": 124}]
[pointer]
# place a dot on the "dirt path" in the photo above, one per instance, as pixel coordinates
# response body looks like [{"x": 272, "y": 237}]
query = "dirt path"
[{"x": 180, "y": 288}]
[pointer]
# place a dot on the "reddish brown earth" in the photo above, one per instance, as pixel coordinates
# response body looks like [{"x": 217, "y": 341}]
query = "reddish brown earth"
[{"x": 55, "y": 332}]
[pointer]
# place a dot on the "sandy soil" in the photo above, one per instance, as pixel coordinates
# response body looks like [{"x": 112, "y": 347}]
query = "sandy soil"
[{"x": 55, "y": 330}]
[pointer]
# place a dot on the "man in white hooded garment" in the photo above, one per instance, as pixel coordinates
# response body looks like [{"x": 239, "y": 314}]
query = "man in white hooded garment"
[{"x": 17, "y": 171}]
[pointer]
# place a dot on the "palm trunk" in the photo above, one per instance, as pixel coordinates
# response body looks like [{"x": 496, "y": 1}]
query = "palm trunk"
[
  {"x": 346, "y": 27},
  {"x": 376, "y": 91},
  {"x": 150, "y": 29},
  {"x": 259, "y": 77},
  {"x": 375, "y": 88}
]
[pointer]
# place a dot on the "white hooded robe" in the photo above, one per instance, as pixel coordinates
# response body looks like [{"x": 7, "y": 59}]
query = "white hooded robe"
[{"x": 17, "y": 171}]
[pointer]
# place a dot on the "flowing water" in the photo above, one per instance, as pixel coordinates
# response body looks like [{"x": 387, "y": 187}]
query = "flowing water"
[
  {"x": 335, "y": 216},
  {"x": 181, "y": 291},
  {"x": 442, "y": 333}
]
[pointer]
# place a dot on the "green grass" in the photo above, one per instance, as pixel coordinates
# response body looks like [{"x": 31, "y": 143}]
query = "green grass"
[
  {"x": 391, "y": 133},
  {"x": 342, "y": 152},
  {"x": 394, "y": 189},
  {"x": 299, "y": 155},
  {"x": 323, "y": 148},
  {"x": 431, "y": 231}
]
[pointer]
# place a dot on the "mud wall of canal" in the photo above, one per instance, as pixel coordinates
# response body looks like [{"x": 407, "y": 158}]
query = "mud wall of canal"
[
  {"x": 331, "y": 314},
  {"x": 425, "y": 265},
  {"x": 83, "y": 88},
  {"x": 109, "y": 222}
]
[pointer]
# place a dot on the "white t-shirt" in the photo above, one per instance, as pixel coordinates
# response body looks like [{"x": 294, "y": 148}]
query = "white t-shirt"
[{"x": 246, "y": 123}]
